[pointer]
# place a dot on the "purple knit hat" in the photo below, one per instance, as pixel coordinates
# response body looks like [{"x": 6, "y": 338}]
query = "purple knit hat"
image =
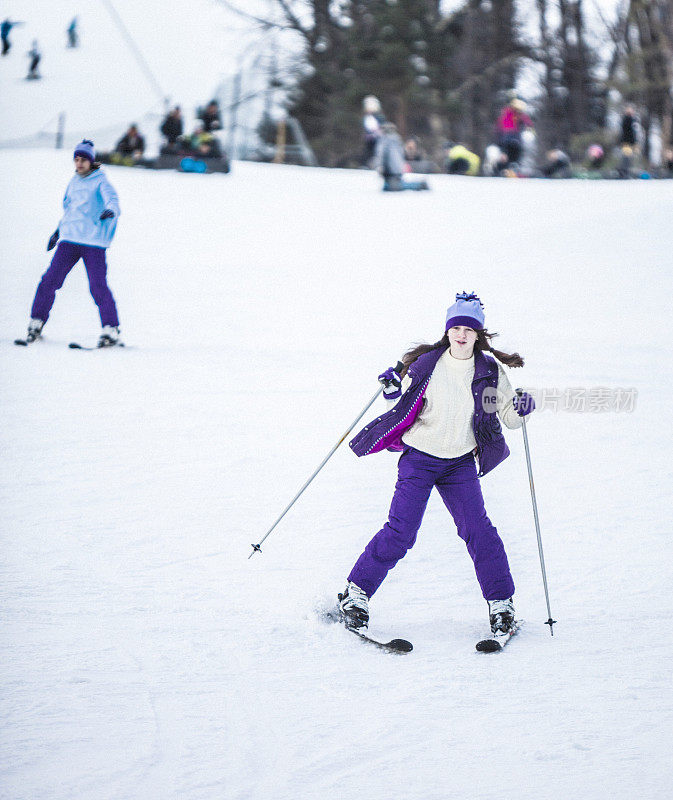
[
  {"x": 467, "y": 311},
  {"x": 85, "y": 149}
]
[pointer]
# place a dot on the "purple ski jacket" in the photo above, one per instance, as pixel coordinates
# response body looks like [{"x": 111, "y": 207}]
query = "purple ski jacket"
[{"x": 386, "y": 431}]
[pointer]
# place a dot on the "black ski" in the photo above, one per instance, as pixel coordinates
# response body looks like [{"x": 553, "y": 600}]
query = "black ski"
[
  {"x": 393, "y": 646},
  {"x": 498, "y": 641},
  {"x": 77, "y": 346},
  {"x": 22, "y": 342}
]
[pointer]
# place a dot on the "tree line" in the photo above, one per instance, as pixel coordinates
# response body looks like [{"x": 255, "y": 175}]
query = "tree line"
[{"x": 444, "y": 75}]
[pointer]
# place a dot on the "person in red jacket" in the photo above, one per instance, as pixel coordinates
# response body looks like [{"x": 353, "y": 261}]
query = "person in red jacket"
[{"x": 512, "y": 121}]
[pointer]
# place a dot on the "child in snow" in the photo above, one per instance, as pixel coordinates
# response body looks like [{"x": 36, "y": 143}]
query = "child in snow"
[
  {"x": 443, "y": 419},
  {"x": 91, "y": 209}
]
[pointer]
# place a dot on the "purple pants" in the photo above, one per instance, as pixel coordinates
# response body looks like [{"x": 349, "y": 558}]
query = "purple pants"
[
  {"x": 66, "y": 256},
  {"x": 457, "y": 483}
]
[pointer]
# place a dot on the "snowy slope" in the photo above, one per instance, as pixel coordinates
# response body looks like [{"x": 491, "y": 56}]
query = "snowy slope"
[
  {"x": 144, "y": 655},
  {"x": 101, "y": 86}
]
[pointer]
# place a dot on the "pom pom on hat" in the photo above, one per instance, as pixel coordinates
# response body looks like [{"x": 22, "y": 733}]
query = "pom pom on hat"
[
  {"x": 467, "y": 311},
  {"x": 85, "y": 149}
]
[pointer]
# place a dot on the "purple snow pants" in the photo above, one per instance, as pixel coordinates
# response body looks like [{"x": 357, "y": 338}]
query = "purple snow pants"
[
  {"x": 457, "y": 483},
  {"x": 66, "y": 256}
]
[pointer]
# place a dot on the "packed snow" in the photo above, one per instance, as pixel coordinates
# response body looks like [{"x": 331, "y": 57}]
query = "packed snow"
[{"x": 144, "y": 655}]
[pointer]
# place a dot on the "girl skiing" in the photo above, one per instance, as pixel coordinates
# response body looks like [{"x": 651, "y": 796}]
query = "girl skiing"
[
  {"x": 443, "y": 419},
  {"x": 91, "y": 209}
]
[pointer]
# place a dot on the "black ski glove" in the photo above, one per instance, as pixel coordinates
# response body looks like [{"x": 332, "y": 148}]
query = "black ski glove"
[
  {"x": 52, "y": 241},
  {"x": 107, "y": 214}
]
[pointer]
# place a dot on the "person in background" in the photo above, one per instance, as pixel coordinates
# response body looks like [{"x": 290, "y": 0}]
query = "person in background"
[
  {"x": 595, "y": 156},
  {"x": 172, "y": 128},
  {"x": 461, "y": 161},
  {"x": 372, "y": 122},
  {"x": 557, "y": 164},
  {"x": 412, "y": 151},
  {"x": 443, "y": 415},
  {"x": 389, "y": 158},
  {"x": 35, "y": 57},
  {"x": 668, "y": 161},
  {"x": 210, "y": 116},
  {"x": 511, "y": 123},
  {"x": 495, "y": 161},
  {"x": 628, "y": 143},
  {"x": 204, "y": 144},
  {"x": 629, "y": 128},
  {"x": 132, "y": 144},
  {"x": 73, "y": 36},
  {"x": 626, "y": 162},
  {"x": 5, "y": 30},
  {"x": 91, "y": 209}
]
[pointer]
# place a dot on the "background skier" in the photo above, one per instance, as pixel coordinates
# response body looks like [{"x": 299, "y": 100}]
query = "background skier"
[
  {"x": 5, "y": 29},
  {"x": 73, "y": 35},
  {"x": 35, "y": 58},
  {"x": 443, "y": 419},
  {"x": 88, "y": 225}
]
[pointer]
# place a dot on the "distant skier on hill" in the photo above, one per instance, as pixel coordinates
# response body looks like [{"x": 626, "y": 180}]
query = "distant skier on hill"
[
  {"x": 442, "y": 417},
  {"x": 73, "y": 35},
  {"x": 5, "y": 30},
  {"x": 35, "y": 57},
  {"x": 88, "y": 225}
]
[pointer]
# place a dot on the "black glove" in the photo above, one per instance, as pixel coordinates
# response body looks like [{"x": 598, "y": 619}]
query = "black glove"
[
  {"x": 107, "y": 214},
  {"x": 53, "y": 240}
]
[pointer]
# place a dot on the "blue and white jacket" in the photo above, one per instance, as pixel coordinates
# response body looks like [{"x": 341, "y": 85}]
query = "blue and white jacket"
[{"x": 85, "y": 200}]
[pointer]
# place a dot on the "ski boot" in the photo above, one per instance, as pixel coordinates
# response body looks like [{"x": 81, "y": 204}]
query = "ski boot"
[
  {"x": 501, "y": 614},
  {"x": 109, "y": 337},
  {"x": 354, "y": 606},
  {"x": 34, "y": 330}
]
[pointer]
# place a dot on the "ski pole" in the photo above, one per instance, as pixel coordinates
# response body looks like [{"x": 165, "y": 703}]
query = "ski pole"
[
  {"x": 551, "y": 622},
  {"x": 257, "y": 548}
]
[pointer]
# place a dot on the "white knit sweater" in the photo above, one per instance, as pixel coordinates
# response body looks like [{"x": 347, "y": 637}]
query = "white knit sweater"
[{"x": 444, "y": 426}]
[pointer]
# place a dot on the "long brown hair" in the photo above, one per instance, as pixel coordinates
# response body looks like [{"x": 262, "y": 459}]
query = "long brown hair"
[{"x": 483, "y": 343}]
